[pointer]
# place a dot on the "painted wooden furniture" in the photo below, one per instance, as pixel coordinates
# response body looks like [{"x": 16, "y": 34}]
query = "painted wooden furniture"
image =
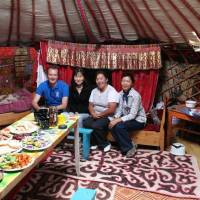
[
  {"x": 11, "y": 180},
  {"x": 11, "y": 117},
  {"x": 85, "y": 194},
  {"x": 180, "y": 112},
  {"x": 86, "y": 134}
]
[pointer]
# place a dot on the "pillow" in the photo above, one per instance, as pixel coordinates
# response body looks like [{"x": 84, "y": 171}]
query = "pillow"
[{"x": 156, "y": 116}]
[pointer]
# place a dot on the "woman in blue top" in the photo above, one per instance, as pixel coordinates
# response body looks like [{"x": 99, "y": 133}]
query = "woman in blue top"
[{"x": 130, "y": 116}]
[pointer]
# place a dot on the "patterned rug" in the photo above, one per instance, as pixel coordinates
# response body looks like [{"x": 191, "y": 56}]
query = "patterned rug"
[
  {"x": 154, "y": 171},
  {"x": 55, "y": 185}
]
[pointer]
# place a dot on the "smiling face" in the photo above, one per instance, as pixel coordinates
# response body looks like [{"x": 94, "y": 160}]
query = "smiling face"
[
  {"x": 101, "y": 81},
  {"x": 52, "y": 76},
  {"x": 79, "y": 79},
  {"x": 126, "y": 83}
]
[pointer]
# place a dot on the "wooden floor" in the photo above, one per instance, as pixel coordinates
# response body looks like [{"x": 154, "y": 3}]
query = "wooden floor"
[{"x": 192, "y": 147}]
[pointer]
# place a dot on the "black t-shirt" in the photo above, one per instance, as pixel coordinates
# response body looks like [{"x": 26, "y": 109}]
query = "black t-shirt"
[{"x": 79, "y": 102}]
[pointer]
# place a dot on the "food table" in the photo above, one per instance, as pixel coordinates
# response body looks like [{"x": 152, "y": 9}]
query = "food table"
[
  {"x": 180, "y": 112},
  {"x": 11, "y": 179}
]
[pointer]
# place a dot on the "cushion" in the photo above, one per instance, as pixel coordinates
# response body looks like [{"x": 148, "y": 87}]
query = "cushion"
[{"x": 152, "y": 127}]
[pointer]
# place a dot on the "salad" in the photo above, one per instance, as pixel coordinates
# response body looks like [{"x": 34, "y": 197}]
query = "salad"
[
  {"x": 35, "y": 143},
  {"x": 15, "y": 162}
]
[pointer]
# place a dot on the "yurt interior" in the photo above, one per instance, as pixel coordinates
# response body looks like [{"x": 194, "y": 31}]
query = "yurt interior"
[{"x": 99, "y": 99}]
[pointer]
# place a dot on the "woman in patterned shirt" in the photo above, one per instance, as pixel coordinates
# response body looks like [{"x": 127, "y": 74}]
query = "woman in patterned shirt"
[{"x": 130, "y": 116}]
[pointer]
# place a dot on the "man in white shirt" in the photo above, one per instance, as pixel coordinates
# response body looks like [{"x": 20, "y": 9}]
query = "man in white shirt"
[{"x": 102, "y": 105}]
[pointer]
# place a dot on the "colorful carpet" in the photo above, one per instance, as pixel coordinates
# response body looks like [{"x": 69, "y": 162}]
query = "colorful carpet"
[
  {"x": 55, "y": 185},
  {"x": 154, "y": 171}
]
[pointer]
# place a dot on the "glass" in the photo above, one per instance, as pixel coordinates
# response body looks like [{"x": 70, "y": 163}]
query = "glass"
[{"x": 62, "y": 119}]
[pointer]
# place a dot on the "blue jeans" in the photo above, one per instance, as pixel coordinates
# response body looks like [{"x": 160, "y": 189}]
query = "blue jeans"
[{"x": 121, "y": 133}]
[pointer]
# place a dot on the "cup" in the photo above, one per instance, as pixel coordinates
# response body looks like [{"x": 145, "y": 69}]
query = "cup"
[
  {"x": 61, "y": 119},
  {"x": 44, "y": 123}
]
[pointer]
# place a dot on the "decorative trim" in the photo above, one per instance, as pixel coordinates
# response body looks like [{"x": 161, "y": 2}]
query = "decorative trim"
[{"x": 126, "y": 57}]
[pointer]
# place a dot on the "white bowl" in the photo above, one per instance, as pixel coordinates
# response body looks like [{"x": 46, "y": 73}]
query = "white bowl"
[
  {"x": 190, "y": 103},
  {"x": 177, "y": 149}
]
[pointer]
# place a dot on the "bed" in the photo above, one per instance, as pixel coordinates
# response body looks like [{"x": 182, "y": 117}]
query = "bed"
[{"x": 14, "y": 106}]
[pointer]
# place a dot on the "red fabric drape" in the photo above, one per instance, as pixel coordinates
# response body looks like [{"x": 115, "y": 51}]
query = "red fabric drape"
[
  {"x": 65, "y": 72},
  {"x": 145, "y": 84}
]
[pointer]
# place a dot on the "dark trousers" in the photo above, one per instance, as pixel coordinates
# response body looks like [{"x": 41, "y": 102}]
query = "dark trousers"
[
  {"x": 121, "y": 133},
  {"x": 100, "y": 130}
]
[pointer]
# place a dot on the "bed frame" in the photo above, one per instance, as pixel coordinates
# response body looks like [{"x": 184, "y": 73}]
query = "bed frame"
[{"x": 11, "y": 117}]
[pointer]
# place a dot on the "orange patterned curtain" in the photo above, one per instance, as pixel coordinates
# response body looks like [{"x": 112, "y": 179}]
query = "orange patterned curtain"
[{"x": 125, "y": 57}]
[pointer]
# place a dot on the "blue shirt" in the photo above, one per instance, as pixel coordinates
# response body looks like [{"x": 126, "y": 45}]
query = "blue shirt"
[{"x": 53, "y": 95}]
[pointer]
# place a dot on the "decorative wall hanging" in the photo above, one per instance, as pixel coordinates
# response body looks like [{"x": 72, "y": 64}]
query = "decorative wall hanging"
[{"x": 125, "y": 57}]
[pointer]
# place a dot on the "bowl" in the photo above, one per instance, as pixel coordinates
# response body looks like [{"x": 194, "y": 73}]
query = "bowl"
[
  {"x": 190, "y": 104},
  {"x": 177, "y": 149}
]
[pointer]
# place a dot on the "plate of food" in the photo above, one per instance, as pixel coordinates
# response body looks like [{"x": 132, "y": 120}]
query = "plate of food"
[
  {"x": 10, "y": 146},
  {"x": 1, "y": 175},
  {"x": 36, "y": 143},
  {"x": 23, "y": 127},
  {"x": 5, "y": 134},
  {"x": 15, "y": 162}
]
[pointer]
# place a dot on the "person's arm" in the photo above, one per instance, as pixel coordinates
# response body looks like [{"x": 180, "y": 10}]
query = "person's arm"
[
  {"x": 117, "y": 115},
  {"x": 119, "y": 110},
  {"x": 109, "y": 111},
  {"x": 91, "y": 105},
  {"x": 91, "y": 109},
  {"x": 114, "y": 122},
  {"x": 35, "y": 102},
  {"x": 63, "y": 106}
]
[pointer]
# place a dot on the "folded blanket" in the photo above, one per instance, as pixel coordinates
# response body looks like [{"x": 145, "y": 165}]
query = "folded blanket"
[{"x": 17, "y": 102}]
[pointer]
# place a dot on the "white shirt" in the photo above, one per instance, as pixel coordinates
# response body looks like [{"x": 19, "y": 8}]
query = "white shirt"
[{"x": 100, "y": 99}]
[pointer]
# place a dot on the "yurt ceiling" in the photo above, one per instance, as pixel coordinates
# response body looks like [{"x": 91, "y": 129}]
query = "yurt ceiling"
[{"x": 99, "y": 21}]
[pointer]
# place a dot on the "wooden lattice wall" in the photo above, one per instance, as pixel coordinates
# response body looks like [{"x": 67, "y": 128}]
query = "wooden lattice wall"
[{"x": 180, "y": 81}]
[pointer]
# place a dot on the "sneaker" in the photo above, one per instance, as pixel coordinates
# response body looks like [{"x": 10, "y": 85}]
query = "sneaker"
[
  {"x": 107, "y": 148},
  {"x": 131, "y": 152},
  {"x": 93, "y": 147}
]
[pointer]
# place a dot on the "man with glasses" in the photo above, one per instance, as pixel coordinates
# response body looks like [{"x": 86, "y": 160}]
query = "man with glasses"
[{"x": 54, "y": 91}]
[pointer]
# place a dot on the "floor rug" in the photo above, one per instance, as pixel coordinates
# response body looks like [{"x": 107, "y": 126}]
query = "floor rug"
[
  {"x": 55, "y": 185},
  {"x": 154, "y": 171}
]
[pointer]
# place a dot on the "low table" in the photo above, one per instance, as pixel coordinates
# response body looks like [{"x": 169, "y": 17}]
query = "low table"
[
  {"x": 180, "y": 112},
  {"x": 11, "y": 180}
]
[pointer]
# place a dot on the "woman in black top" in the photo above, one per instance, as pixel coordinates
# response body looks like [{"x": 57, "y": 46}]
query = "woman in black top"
[{"x": 79, "y": 94}]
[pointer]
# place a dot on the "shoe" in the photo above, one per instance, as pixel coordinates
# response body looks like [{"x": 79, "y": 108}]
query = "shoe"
[
  {"x": 131, "y": 152},
  {"x": 93, "y": 147},
  {"x": 107, "y": 148}
]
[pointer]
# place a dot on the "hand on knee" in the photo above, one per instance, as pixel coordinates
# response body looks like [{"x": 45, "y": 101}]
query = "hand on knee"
[{"x": 119, "y": 126}]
